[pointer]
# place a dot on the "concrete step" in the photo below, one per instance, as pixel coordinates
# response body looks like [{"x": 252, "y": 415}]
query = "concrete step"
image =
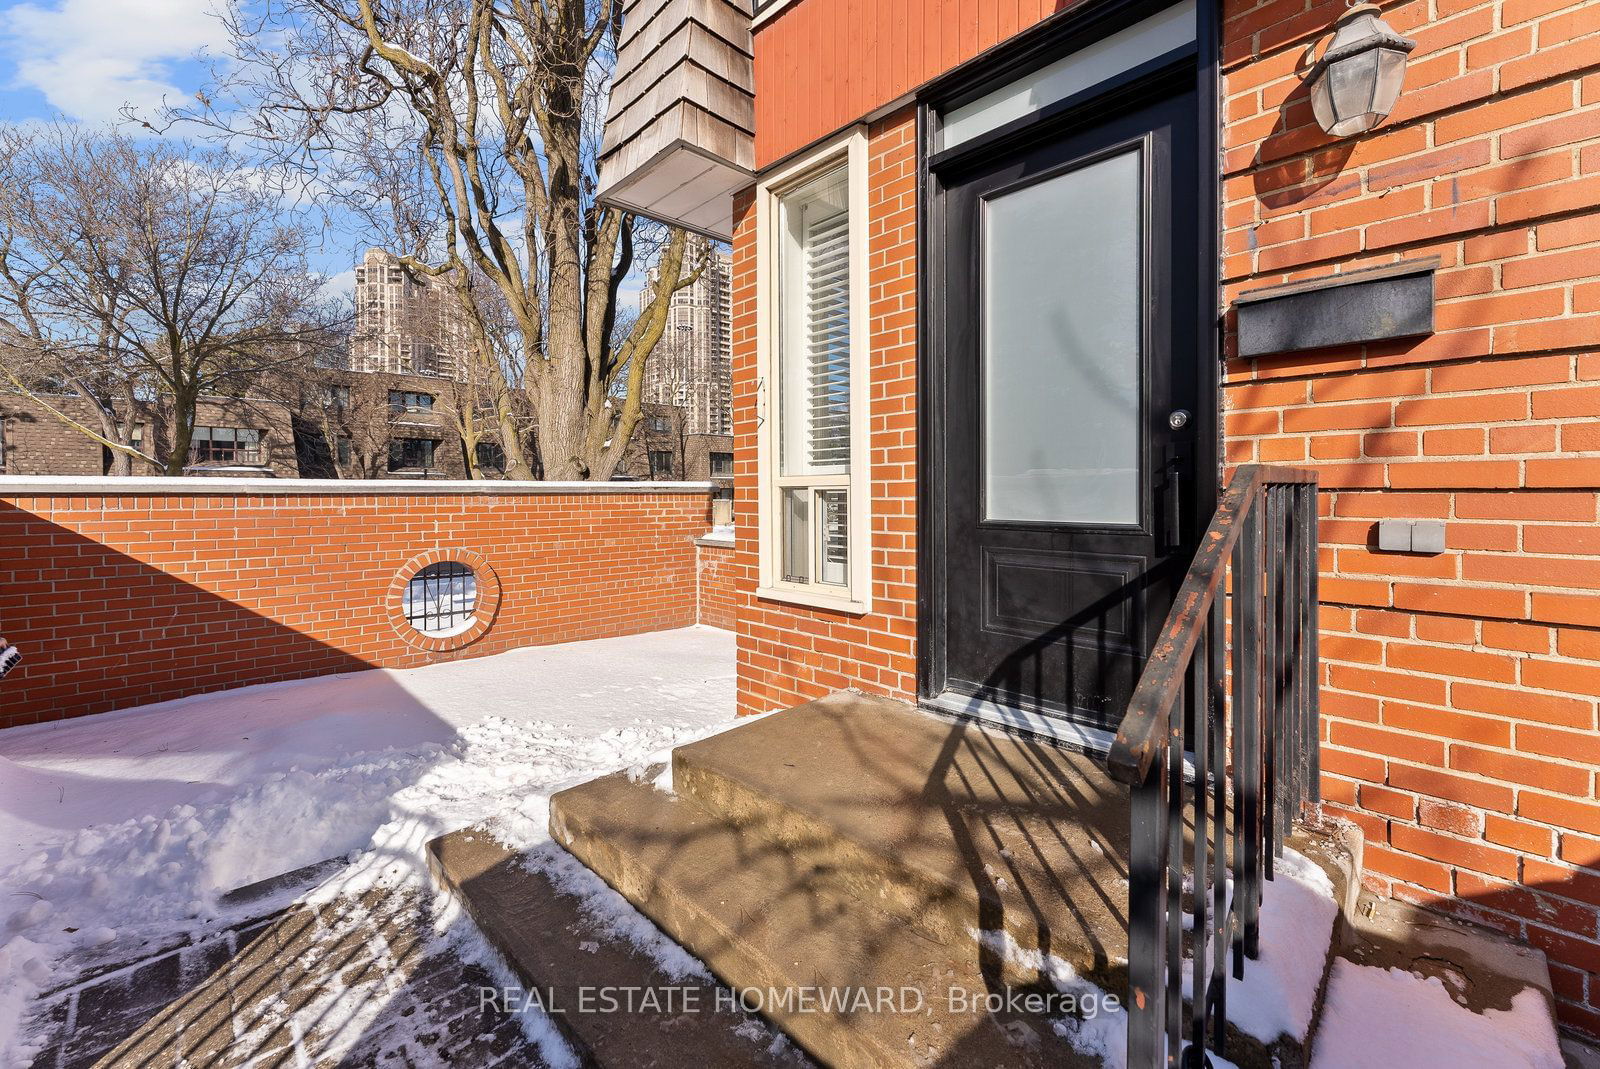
[
  {"x": 953, "y": 827},
  {"x": 1488, "y": 976},
  {"x": 822, "y": 845},
  {"x": 788, "y": 922},
  {"x": 956, "y": 828},
  {"x": 616, "y": 1005}
]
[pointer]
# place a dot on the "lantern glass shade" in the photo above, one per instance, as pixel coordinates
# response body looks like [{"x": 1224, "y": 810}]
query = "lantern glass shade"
[{"x": 1355, "y": 84}]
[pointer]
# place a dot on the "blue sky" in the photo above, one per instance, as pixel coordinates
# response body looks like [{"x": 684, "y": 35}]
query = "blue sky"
[{"x": 86, "y": 59}]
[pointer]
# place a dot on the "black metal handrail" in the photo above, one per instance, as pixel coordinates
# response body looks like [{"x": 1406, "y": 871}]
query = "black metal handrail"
[{"x": 1176, "y": 742}]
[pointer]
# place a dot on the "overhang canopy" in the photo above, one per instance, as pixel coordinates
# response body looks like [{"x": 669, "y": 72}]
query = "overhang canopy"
[{"x": 680, "y": 130}]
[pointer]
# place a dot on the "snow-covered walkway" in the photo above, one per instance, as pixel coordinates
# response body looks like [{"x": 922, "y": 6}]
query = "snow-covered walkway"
[{"x": 123, "y": 831}]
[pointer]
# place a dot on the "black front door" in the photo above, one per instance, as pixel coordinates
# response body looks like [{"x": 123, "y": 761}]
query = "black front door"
[{"x": 1065, "y": 279}]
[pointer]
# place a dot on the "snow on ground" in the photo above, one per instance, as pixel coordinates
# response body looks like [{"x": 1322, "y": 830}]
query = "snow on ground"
[
  {"x": 132, "y": 825},
  {"x": 1279, "y": 989},
  {"x": 1101, "y": 1029},
  {"x": 1383, "y": 1018},
  {"x": 1275, "y": 998}
]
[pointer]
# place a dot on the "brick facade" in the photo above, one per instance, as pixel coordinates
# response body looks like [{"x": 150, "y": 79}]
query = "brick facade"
[
  {"x": 137, "y": 596},
  {"x": 1460, "y": 689},
  {"x": 346, "y": 422},
  {"x": 34, "y": 442},
  {"x": 788, "y": 653}
]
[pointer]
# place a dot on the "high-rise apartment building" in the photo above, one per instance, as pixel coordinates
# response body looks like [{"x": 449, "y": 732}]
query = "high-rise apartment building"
[
  {"x": 692, "y": 365},
  {"x": 406, "y": 324}
]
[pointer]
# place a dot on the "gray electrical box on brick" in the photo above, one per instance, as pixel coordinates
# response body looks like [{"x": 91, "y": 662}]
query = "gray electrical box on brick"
[{"x": 1411, "y": 536}]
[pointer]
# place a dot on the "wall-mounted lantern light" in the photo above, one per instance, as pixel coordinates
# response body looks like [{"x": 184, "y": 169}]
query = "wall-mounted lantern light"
[{"x": 1357, "y": 81}]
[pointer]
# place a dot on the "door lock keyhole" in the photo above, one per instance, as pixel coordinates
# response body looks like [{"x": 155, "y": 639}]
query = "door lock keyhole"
[{"x": 1179, "y": 419}]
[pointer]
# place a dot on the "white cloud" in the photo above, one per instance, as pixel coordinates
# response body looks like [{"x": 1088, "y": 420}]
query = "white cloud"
[
  {"x": 90, "y": 57},
  {"x": 341, "y": 285}
]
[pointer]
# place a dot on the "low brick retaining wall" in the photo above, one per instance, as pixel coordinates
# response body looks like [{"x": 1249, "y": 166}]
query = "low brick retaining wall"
[
  {"x": 126, "y": 591},
  {"x": 718, "y": 592}
]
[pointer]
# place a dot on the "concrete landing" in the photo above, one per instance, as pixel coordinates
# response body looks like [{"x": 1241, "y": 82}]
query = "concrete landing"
[
  {"x": 1481, "y": 969},
  {"x": 1491, "y": 1005},
  {"x": 951, "y": 826},
  {"x": 786, "y": 922}
]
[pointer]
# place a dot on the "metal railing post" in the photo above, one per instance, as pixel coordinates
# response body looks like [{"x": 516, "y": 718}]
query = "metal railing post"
[
  {"x": 1255, "y": 754},
  {"x": 1247, "y": 722},
  {"x": 1147, "y": 922}
]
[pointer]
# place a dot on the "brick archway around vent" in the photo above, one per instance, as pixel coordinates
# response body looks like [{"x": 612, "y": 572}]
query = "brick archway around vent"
[{"x": 484, "y": 612}]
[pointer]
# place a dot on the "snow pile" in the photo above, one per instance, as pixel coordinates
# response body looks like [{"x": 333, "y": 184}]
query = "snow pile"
[
  {"x": 1102, "y": 1035},
  {"x": 1279, "y": 989},
  {"x": 377, "y": 777},
  {"x": 1383, "y": 1018}
]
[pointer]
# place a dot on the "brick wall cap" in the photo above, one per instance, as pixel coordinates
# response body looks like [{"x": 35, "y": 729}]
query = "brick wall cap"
[{"x": 221, "y": 486}]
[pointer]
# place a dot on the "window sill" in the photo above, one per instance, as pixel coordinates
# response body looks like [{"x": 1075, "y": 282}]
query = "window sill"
[{"x": 811, "y": 599}]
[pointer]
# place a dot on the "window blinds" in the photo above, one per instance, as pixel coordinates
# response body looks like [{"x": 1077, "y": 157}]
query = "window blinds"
[{"x": 827, "y": 338}]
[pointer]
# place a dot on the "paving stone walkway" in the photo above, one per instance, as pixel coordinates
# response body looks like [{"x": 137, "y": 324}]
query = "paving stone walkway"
[{"x": 361, "y": 982}]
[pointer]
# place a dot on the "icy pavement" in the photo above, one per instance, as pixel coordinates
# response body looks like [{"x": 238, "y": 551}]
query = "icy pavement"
[{"x": 123, "y": 831}]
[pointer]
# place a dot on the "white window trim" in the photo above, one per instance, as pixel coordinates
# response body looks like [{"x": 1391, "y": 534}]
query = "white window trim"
[{"x": 849, "y": 148}]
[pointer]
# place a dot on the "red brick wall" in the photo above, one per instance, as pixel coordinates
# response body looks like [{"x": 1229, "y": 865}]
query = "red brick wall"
[
  {"x": 787, "y": 653},
  {"x": 718, "y": 591},
  {"x": 1460, "y": 689},
  {"x": 140, "y": 597}
]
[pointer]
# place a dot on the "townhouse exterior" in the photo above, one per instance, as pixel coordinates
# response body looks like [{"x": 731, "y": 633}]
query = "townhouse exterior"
[{"x": 1018, "y": 287}]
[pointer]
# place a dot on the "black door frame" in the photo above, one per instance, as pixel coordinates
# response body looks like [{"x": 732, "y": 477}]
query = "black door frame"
[{"x": 1194, "y": 66}]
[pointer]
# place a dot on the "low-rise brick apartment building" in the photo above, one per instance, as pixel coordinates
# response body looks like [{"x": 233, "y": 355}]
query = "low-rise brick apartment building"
[
  {"x": 379, "y": 425},
  {"x": 236, "y": 435},
  {"x": 342, "y": 425}
]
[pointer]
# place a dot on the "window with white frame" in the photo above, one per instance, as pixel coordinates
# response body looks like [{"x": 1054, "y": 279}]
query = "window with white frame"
[{"x": 815, "y": 493}]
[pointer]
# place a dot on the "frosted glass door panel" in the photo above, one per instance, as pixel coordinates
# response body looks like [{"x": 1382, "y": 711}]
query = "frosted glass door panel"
[{"x": 1062, "y": 270}]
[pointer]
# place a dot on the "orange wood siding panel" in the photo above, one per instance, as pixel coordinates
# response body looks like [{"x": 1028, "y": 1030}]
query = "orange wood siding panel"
[{"x": 823, "y": 64}]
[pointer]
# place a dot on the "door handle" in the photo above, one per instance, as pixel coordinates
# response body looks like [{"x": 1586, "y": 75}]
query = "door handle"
[{"x": 1172, "y": 513}]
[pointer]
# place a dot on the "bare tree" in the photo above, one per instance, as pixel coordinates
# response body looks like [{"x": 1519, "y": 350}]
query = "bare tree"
[
  {"x": 464, "y": 133},
  {"x": 145, "y": 273}
]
